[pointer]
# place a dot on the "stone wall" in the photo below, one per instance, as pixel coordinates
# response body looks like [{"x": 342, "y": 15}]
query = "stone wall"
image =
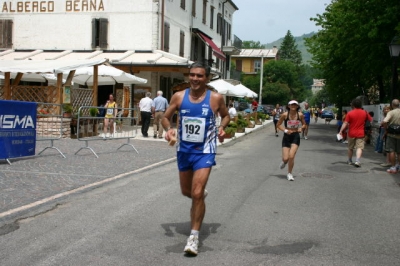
[{"x": 53, "y": 127}]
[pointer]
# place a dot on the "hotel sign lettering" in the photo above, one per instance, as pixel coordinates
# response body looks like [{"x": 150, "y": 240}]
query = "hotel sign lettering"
[{"x": 52, "y": 6}]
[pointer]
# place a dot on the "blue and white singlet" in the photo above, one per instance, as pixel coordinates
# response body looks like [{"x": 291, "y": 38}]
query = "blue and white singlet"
[{"x": 197, "y": 132}]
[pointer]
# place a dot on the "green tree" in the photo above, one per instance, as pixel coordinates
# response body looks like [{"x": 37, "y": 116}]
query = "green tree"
[
  {"x": 252, "y": 45},
  {"x": 288, "y": 50},
  {"x": 352, "y": 47},
  {"x": 284, "y": 72}
]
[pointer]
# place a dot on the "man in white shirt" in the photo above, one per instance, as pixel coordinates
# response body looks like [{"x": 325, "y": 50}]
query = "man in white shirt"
[
  {"x": 145, "y": 106},
  {"x": 232, "y": 111}
]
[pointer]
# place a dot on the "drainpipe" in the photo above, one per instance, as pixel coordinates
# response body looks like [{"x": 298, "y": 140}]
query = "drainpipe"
[
  {"x": 162, "y": 24},
  {"x": 223, "y": 36}
]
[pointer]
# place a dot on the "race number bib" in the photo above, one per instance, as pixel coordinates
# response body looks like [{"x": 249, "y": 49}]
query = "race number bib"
[
  {"x": 193, "y": 129},
  {"x": 293, "y": 124},
  {"x": 110, "y": 111}
]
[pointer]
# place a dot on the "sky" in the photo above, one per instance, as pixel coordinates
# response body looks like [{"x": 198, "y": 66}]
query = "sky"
[{"x": 269, "y": 20}]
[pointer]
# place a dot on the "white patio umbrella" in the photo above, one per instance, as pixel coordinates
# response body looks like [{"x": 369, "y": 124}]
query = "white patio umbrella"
[
  {"x": 225, "y": 88},
  {"x": 33, "y": 77},
  {"x": 107, "y": 75},
  {"x": 250, "y": 93}
]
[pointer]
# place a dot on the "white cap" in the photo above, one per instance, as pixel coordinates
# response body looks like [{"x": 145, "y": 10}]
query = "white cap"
[{"x": 293, "y": 102}]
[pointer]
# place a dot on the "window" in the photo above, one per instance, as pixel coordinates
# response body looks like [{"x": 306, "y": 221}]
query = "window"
[
  {"x": 228, "y": 33},
  {"x": 257, "y": 65},
  {"x": 6, "y": 33},
  {"x": 239, "y": 65},
  {"x": 204, "y": 11},
  {"x": 194, "y": 8},
  {"x": 219, "y": 23},
  {"x": 212, "y": 17},
  {"x": 182, "y": 44},
  {"x": 166, "y": 37},
  {"x": 99, "y": 33},
  {"x": 183, "y": 4}
]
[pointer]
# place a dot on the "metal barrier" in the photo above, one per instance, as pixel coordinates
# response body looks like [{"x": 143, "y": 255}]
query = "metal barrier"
[
  {"x": 50, "y": 125},
  {"x": 90, "y": 125}
]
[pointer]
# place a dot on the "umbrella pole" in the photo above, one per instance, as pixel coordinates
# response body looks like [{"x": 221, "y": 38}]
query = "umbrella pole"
[{"x": 95, "y": 84}]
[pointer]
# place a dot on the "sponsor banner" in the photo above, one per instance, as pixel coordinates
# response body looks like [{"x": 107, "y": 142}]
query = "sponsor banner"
[{"x": 17, "y": 129}]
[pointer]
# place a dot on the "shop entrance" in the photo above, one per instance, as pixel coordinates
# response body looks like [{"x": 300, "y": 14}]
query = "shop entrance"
[{"x": 103, "y": 92}]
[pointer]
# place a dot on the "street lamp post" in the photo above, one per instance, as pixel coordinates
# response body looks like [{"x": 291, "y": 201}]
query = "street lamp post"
[
  {"x": 261, "y": 79},
  {"x": 394, "y": 48}
]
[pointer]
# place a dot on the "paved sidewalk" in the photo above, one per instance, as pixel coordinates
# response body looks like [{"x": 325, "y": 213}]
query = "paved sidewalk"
[{"x": 46, "y": 177}]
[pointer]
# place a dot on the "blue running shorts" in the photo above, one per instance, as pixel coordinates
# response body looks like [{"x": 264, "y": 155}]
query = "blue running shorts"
[{"x": 195, "y": 161}]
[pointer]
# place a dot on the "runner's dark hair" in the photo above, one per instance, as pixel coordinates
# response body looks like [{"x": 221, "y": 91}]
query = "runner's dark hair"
[{"x": 202, "y": 64}]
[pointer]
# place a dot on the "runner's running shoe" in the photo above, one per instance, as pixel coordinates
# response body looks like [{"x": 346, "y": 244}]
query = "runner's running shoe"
[
  {"x": 290, "y": 177},
  {"x": 192, "y": 245}
]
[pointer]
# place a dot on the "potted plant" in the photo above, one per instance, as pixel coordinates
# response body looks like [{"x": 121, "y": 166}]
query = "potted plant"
[
  {"x": 241, "y": 124},
  {"x": 262, "y": 116},
  {"x": 229, "y": 132},
  {"x": 93, "y": 111},
  {"x": 67, "y": 110},
  {"x": 250, "y": 121}
]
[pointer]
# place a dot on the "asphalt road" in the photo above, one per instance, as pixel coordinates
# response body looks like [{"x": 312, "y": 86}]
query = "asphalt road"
[{"x": 332, "y": 214}]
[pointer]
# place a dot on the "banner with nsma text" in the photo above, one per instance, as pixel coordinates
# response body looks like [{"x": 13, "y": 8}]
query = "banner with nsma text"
[{"x": 17, "y": 129}]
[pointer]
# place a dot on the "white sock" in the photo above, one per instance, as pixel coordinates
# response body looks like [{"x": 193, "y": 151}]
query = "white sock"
[{"x": 194, "y": 232}]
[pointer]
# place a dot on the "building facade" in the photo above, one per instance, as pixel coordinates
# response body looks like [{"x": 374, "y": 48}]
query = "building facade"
[
  {"x": 318, "y": 85},
  {"x": 153, "y": 39},
  {"x": 248, "y": 61}
]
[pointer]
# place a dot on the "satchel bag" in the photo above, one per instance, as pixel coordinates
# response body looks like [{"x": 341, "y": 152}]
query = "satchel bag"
[
  {"x": 367, "y": 125},
  {"x": 393, "y": 129}
]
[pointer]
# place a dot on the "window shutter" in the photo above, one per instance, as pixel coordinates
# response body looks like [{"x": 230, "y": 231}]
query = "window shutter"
[
  {"x": 204, "y": 11},
  {"x": 166, "y": 37},
  {"x": 103, "y": 33},
  {"x": 94, "y": 34},
  {"x": 8, "y": 31},
  {"x": 194, "y": 8},
  {"x": 182, "y": 44},
  {"x": 2, "y": 36}
]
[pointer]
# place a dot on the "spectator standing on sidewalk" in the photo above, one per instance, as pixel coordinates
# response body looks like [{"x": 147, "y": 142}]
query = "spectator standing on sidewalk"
[
  {"x": 380, "y": 138},
  {"x": 383, "y": 133},
  {"x": 145, "y": 106},
  {"x": 355, "y": 121},
  {"x": 344, "y": 132},
  {"x": 307, "y": 117},
  {"x": 292, "y": 124},
  {"x": 390, "y": 122},
  {"x": 198, "y": 108},
  {"x": 254, "y": 105},
  {"x": 160, "y": 104},
  {"x": 232, "y": 111}
]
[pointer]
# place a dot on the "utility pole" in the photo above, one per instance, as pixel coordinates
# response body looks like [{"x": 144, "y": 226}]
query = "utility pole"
[{"x": 261, "y": 79}]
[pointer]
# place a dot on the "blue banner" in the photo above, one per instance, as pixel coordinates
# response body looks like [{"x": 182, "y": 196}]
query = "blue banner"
[{"x": 17, "y": 129}]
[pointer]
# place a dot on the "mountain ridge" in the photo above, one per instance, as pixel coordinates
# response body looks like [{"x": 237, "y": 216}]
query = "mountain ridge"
[{"x": 299, "y": 40}]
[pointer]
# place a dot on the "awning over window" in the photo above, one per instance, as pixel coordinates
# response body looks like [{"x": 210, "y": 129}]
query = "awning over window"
[{"x": 216, "y": 51}]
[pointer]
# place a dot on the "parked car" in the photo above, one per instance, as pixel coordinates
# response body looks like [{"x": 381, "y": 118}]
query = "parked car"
[
  {"x": 268, "y": 108},
  {"x": 243, "y": 106},
  {"x": 327, "y": 114},
  {"x": 259, "y": 109}
]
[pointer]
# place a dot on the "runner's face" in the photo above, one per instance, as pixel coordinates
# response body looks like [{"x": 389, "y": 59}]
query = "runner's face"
[
  {"x": 293, "y": 107},
  {"x": 197, "y": 78}
]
